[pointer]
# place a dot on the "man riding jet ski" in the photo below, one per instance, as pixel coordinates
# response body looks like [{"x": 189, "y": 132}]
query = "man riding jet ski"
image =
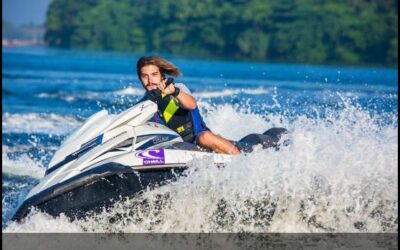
[
  {"x": 111, "y": 157},
  {"x": 177, "y": 107}
]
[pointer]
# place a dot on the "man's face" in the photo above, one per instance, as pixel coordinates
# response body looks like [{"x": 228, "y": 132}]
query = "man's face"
[{"x": 150, "y": 76}]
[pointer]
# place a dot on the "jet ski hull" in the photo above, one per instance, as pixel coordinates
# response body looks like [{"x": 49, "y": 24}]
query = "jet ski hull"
[{"x": 97, "y": 190}]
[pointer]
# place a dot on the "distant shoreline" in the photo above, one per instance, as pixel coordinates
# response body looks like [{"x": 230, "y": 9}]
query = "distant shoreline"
[{"x": 17, "y": 42}]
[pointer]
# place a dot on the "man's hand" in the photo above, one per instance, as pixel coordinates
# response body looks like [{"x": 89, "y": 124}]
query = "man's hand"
[
  {"x": 166, "y": 90},
  {"x": 185, "y": 100}
]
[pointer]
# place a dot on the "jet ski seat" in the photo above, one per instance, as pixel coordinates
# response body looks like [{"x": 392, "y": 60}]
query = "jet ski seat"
[{"x": 270, "y": 138}]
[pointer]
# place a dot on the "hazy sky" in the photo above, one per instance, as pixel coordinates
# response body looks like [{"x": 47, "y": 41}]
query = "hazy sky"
[{"x": 25, "y": 11}]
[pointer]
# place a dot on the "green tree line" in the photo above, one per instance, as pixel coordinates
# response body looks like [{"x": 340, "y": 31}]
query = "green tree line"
[{"x": 302, "y": 31}]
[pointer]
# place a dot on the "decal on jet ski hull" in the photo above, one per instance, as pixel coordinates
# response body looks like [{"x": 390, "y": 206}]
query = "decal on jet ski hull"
[{"x": 152, "y": 156}]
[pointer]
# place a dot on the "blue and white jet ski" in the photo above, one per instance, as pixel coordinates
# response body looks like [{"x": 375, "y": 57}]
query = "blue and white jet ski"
[{"x": 113, "y": 156}]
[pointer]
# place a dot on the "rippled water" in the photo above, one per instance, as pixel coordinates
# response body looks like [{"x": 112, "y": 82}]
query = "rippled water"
[{"x": 338, "y": 175}]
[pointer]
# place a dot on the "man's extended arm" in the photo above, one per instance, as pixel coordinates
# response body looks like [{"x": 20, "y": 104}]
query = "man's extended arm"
[{"x": 186, "y": 100}]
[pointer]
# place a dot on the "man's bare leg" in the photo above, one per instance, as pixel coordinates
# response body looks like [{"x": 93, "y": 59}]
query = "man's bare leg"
[{"x": 209, "y": 140}]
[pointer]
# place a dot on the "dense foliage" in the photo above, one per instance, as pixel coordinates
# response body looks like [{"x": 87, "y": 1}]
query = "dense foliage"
[{"x": 304, "y": 31}]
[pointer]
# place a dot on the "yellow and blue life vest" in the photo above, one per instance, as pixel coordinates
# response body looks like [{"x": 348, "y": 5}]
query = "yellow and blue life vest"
[{"x": 187, "y": 123}]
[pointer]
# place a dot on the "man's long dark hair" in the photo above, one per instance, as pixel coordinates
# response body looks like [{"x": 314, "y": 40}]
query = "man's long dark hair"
[{"x": 164, "y": 66}]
